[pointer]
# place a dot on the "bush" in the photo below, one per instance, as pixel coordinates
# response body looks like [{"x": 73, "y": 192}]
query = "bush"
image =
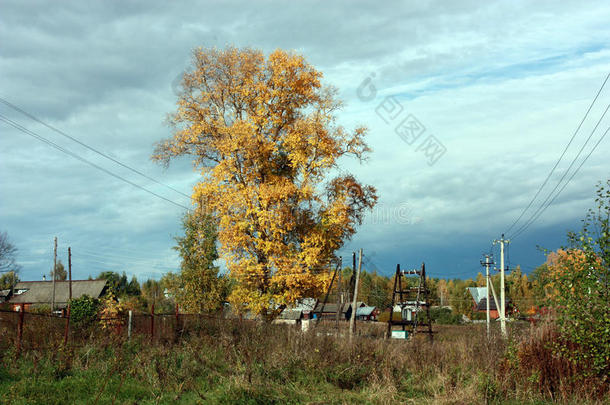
[
  {"x": 533, "y": 363},
  {"x": 578, "y": 290},
  {"x": 479, "y": 316},
  {"x": 445, "y": 316},
  {"x": 83, "y": 310},
  {"x": 441, "y": 316}
]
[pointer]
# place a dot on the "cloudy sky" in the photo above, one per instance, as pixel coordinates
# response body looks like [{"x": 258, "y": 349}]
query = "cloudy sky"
[{"x": 496, "y": 88}]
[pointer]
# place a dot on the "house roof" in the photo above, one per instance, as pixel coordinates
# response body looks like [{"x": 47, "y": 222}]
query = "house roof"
[
  {"x": 291, "y": 313},
  {"x": 482, "y": 305},
  {"x": 329, "y": 308},
  {"x": 5, "y": 293},
  {"x": 359, "y": 304},
  {"x": 478, "y": 293},
  {"x": 41, "y": 292},
  {"x": 364, "y": 311}
]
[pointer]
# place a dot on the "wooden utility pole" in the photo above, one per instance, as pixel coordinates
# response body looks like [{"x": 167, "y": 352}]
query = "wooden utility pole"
[
  {"x": 352, "y": 322},
  {"x": 425, "y": 292},
  {"x": 339, "y": 293},
  {"x": 54, "y": 275},
  {"x": 350, "y": 288},
  {"x": 332, "y": 280},
  {"x": 390, "y": 319}
]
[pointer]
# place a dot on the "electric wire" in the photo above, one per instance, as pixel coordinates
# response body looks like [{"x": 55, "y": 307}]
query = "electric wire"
[
  {"x": 542, "y": 207},
  {"x": 94, "y": 253},
  {"x": 571, "y": 177},
  {"x": 76, "y": 156},
  {"x": 562, "y": 155},
  {"x": 122, "y": 261},
  {"x": 91, "y": 148}
]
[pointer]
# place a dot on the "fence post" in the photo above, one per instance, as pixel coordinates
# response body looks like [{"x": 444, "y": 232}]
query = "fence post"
[
  {"x": 69, "y": 295},
  {"x": 177, "y": 329},
  {"x": 20, "y": 328},
  {"x": 152, "y": 321},
  {"x": 67, "y": 329},
  {"x": 129, "y": 325}
]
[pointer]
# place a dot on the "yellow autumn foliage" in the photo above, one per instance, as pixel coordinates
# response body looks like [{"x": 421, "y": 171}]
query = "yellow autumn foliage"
[
  {"x": 562, "y": 262},
  {"x": 264, "y": 136}
]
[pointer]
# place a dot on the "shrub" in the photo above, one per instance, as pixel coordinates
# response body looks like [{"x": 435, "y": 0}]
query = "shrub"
[
  {"x": 579, "y": 293},
  {"x": 479, "y": 316},
  {"x": 83, "y": 310},
  {"x": 533, "y": 363},
  {"x": 111, "y": 311},
  {"x": 445, "y": 316}
]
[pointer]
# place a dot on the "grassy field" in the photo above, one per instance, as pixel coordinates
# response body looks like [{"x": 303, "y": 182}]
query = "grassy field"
[{"x": 228, "y": 362}]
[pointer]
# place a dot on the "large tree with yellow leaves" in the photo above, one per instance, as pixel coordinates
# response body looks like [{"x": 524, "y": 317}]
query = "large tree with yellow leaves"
[{"x": 264, "y": 136}]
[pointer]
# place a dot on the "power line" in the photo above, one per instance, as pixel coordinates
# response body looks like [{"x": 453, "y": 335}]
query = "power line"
[
  {"x": 542, "y": 206},
  {"x": 27, "y": 114},
  {"x": 567, "y": 182},
  {"x": 76, "y": 156},
  {"x": 118, "y": 259},
  {"x": 560, "y": 157},
  {"x": 112, "y": 254},
  {"x": 106, "y": 265}
]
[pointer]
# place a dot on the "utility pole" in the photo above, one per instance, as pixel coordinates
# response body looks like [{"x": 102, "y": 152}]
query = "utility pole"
[
  {"x": 352, "y": 322},
  {"x": 352, "y": 278},
  {"x": 54, "y": 275},
  {"x": 486, "y": 264},
  {"x": 330, "y": 286},
  {"x": 339, "y": 294},
  {"x": 502, "y": 241}
]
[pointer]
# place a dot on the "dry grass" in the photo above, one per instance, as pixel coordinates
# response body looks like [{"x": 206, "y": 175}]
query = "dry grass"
[{"x": 230, "y": 361}]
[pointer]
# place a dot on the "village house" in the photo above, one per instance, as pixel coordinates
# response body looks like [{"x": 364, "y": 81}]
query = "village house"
[
  {"x": 329, "y": 311},
  {"x": 33, "y": 293},
  {"x": 479, "y": 298},
  {"x": 302, "y": 310},
  {"x": 367, "y": 313}
]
